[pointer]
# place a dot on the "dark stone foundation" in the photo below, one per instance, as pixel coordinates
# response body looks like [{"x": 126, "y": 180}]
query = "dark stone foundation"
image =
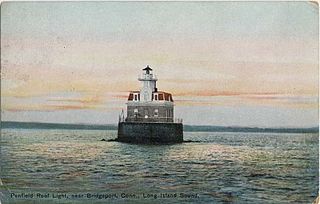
[{"x": 150, "y": 133}]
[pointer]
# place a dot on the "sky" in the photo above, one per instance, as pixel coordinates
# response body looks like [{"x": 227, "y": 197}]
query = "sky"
[{"x": 226, "y": 63}]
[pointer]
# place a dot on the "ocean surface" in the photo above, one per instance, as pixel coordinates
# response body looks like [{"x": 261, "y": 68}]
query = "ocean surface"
[{"x": 75, "y": 166}]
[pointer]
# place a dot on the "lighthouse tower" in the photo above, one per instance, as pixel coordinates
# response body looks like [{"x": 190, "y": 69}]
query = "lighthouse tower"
[
  {"x": 148, "y": 84},
  {"x": 150, "y": 116}
]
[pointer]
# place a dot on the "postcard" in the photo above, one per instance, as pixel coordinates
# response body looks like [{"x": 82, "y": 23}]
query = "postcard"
[{"x": 159, "y": 102}]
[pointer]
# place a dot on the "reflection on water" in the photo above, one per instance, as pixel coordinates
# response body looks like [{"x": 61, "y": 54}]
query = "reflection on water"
[{"x": 221, "y": 168}]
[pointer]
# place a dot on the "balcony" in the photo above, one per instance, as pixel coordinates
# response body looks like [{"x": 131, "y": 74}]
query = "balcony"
[
  {"x": 147, "y": 77},
  {"x": 151, "y": 120}
]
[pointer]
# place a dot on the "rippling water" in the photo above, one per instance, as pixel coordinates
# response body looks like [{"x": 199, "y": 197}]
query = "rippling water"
[{"x": 218, "y": 168}]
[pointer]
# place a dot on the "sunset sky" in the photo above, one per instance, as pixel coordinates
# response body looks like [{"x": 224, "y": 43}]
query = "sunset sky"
[{"x": 226, "y": 63}]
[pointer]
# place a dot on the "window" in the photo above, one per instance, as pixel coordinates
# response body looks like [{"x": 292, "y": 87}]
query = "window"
[
  {"x": 135, "y": 112},
  {"x": 130, "y": 97},
  {"x": 136, "y": 97},
  {"x": 156, "y": 97},
  {"x": 166, "y": 97}
]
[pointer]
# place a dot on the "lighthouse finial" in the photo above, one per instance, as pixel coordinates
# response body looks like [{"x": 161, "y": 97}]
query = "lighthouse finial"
[{"x": 148, "y": 67}]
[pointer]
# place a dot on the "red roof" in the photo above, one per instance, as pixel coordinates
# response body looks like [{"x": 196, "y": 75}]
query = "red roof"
[
  {"x": 130, "y": 98},
  {"x": 162, "y": 96}
]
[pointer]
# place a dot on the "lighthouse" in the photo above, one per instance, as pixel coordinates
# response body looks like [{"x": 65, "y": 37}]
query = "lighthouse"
[
  {"x": 149, "y": 82},
  {"x": 150, "y": 114}
]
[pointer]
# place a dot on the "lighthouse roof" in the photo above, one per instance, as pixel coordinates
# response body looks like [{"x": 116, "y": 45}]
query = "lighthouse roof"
[
  {"x": 161, "y": 96},
  {"x": 147, "y": 68}
]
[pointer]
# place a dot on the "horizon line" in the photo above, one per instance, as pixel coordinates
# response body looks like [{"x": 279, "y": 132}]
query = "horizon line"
[{"x": 196, "y": 125}]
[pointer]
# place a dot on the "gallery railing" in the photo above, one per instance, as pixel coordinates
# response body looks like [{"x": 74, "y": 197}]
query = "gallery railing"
[{"x": 153, "y": 120}]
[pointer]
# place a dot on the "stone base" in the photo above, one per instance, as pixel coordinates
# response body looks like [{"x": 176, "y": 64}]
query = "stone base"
[{"x": 154, "y": 133}]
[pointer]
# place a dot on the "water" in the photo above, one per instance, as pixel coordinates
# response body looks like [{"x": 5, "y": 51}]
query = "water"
[{"x": 219, "y": 168}]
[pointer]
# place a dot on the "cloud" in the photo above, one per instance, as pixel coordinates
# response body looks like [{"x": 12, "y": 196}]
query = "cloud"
[
  {"x": 259, "y": 99},
  {"x": 64, "y": 101},
  {"x": 41, "y": 66}
]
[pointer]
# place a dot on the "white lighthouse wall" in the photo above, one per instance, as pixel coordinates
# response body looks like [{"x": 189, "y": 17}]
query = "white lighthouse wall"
[
  {"x": 150, "y": 113},
  {"x": 147, "y": 89}
]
